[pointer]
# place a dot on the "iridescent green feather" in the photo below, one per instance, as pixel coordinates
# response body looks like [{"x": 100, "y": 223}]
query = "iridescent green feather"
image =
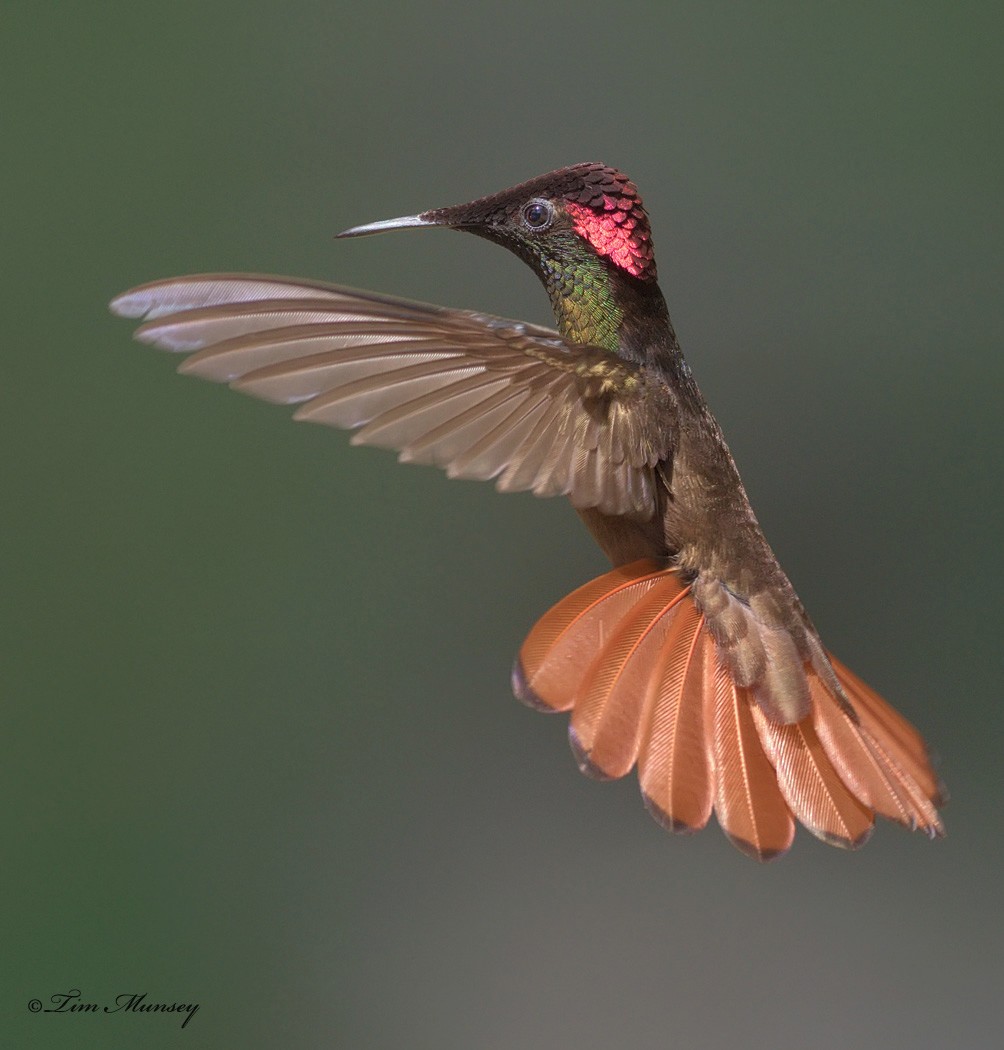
[{"x": 583, "y": 300}]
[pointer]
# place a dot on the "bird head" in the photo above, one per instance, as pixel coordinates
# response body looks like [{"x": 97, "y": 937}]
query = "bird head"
[
  {"x": 582, "y": 229},
  {"x": 558, "y": 216}
]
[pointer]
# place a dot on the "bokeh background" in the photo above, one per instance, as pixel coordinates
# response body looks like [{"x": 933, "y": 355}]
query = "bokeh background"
[{"x": 260, "y": 750}]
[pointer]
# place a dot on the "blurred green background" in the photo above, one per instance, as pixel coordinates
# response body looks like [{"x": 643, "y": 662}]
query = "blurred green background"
[{"x": 260, "y": 747}]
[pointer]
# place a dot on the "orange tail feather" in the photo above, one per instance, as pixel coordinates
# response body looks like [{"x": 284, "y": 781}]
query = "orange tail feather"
[
  {"x": 748, "y": 803},
  {"x": 674, "y": 769},
  {"x": 610, "y": 708},
  {"x": 560, "y": 648},
  {"x": 904, "y": 744},
  {"x": 811, "y": 785},
  {"x": 630, "y": 656}
]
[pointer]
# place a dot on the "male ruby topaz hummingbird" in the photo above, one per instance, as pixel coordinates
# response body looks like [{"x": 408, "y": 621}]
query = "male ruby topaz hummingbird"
[{"x": 693, "y": 659}]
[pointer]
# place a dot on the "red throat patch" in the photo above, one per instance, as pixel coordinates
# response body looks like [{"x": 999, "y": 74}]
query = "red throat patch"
[{"x": 614, "y": 222}]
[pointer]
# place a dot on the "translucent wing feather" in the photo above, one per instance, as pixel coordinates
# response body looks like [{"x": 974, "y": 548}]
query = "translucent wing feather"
[{"x": 477, "y": 395}]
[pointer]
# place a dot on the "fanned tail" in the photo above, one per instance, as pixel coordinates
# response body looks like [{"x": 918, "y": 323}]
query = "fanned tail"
[{"x": 630, "y": 655}]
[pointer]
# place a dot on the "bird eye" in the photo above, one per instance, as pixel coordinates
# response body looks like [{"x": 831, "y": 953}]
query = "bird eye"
[{"x": 538, "y": 215}]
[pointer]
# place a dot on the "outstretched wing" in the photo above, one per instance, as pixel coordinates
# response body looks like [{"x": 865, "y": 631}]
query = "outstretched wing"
[{"x": 480, "y": 396}]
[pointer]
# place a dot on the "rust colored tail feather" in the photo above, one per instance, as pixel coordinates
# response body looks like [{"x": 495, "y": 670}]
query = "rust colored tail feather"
[{"x": 629, "y": 655}]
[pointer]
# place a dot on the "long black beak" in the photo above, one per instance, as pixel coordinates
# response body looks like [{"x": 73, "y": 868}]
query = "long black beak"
[{"x": 406, "y": 222}]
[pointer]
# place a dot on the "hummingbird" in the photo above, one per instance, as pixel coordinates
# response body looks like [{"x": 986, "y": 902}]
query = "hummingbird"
[{"x": 692, "y": 660}]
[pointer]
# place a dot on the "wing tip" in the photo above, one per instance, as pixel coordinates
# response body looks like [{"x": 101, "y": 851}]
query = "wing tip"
[{"x": 131, "y": 304}]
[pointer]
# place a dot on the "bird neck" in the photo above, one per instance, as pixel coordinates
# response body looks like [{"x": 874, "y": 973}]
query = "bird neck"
[
  {"x": 595, "y": 303},
  {"x": 584, "y": 300}
]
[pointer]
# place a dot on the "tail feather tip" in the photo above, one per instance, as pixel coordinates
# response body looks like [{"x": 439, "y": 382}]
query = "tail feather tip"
[
  {"x": 522, "y": 691},
  {"x": 586, "y": 765},
  {"x": 763, "y": 854},
  {"x": 935, "y": 830},
  {"x": 841, "y": 842},
  {"x": 666, "y": 821}
]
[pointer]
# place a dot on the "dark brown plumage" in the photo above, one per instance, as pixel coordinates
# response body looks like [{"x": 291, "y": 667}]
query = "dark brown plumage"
[{"x": 693, "y": 660}]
